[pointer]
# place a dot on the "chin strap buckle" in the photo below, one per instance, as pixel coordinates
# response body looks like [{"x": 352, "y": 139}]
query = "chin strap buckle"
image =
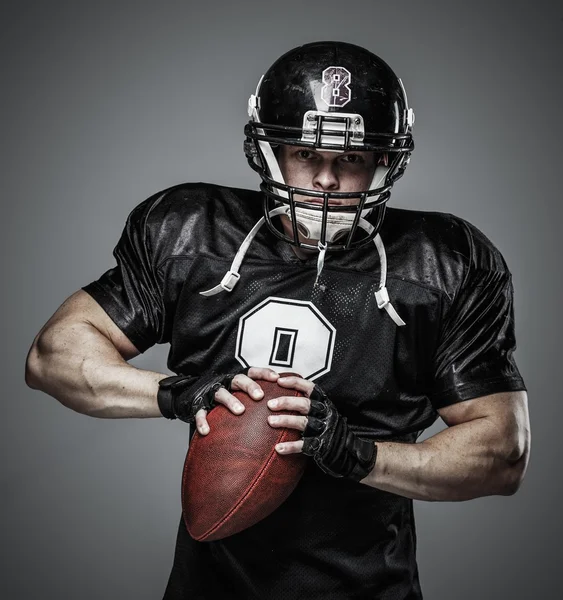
[
  {"x": 253, "y": 104},
  {"x": 229, "y": 280},
  {"x": 382, "y": 299}
]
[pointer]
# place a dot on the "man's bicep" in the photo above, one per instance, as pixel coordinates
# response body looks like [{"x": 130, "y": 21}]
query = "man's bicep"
[{"x": 81, "y": 307}]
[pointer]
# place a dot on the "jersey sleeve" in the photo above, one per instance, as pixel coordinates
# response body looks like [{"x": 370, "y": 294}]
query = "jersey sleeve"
[
  {"x": 130, "y": 293},
  {"x": 475, "y": 352}
]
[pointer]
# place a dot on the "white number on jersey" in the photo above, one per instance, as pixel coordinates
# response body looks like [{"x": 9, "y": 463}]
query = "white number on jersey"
[{"x": 286, "y": 335}]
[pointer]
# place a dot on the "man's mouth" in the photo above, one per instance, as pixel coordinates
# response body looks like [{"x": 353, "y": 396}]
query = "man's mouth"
[{"x": 320, "y": 202}]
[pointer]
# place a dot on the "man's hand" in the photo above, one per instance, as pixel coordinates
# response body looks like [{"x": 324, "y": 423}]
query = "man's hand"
[
  {"x": 190, "y": 399},
  {"x": 326, "y": 435}
]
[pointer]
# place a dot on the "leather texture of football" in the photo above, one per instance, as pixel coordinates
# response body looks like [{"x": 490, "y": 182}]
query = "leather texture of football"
[{"x": 233, "y": 477}]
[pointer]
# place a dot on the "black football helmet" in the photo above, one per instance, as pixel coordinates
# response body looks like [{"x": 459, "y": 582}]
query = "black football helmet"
[{"x": 329, "y": 96}]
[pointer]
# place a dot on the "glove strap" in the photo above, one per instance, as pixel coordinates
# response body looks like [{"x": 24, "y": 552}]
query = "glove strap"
[
  {"x": 167, "y": 388},
  {"x": 181, "y": 396},
  {"x": 336, "y": 449}
]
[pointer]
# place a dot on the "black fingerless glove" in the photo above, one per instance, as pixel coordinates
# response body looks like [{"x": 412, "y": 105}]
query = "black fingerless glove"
[
  {"x": 335, "y": 448},
  {"x": 181, "y": 396}
]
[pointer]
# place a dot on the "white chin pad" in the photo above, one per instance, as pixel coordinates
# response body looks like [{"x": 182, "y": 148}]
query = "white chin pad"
[{"x": 338, "y": 223}]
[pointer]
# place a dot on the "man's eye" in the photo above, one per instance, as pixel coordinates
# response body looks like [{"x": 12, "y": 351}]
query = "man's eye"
[
  {"x": 353, "y": 158},
  {"x": 305, "y": 154}
]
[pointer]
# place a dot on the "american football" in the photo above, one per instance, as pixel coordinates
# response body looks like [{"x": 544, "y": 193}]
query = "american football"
[{"x": 233, "y": 477}]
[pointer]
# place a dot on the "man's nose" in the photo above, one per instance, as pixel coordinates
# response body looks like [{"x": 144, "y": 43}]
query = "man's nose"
[{"x": 326, "y": 177}]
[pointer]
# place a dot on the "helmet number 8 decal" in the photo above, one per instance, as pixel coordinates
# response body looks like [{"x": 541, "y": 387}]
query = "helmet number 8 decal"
[{"x": 336, "y": 89}]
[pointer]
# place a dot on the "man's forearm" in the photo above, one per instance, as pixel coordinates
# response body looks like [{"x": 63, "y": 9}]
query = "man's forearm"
[
  {"x": 82, "y": 369},
  {"x": 459, "y": 463}
]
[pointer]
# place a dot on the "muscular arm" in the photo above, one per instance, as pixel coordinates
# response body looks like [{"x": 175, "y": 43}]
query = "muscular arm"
[
  {"x": 484, "y": 451},
  {"x": 80, "y": 358}
]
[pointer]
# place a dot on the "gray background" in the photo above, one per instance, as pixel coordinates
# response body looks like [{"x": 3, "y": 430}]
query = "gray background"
[{"x": 106, "y": 103}]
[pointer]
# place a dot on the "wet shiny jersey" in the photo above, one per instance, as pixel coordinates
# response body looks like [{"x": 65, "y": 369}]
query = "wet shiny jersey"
[{"x": 332, "y": 539}]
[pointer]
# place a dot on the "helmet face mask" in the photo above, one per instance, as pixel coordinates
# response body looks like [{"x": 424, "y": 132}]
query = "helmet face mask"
[{"x": 328, "y": 96}]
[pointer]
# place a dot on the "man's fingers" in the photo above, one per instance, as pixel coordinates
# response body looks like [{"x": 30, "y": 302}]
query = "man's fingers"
[
  {"x": 201, "y": 422},
  {"x": 223, "y": 396},
  {"x": 291, "y": 421},
  {"x": 297, "y": 383},
  {"x": 262, "y": 373},
  {"x": 246, "y": 383},
  {"x": 301, "y": 404},
  {"x": 290, "y": 447}
]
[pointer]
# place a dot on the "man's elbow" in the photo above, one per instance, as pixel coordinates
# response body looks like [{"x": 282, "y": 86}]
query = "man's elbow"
[
  {"x": 517, "y": 455},
  {"x": 34, "y": 366},
  {"x": 39, "y": 362},
  {"x": 515, "y": 472}
]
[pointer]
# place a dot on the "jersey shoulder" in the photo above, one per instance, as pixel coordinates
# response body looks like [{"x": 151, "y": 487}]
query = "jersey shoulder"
[
  {"x": 194, "y": 218},
  {"x": 438, "y": 249}
]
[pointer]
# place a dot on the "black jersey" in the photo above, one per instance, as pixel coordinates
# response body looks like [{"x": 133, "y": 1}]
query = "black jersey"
[{"x": 333, "y": 538}]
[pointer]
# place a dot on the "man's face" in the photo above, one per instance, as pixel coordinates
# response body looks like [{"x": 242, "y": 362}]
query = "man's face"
[{"x": 325, "y": 171}]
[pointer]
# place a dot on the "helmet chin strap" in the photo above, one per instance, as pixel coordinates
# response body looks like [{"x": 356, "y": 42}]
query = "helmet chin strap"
[
  {"x": 320, "y": 261},
  {"x": 231, "y": 277}
]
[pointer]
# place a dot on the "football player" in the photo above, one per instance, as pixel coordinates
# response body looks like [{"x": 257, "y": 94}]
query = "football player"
[{"x": 392, "y": 318}]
